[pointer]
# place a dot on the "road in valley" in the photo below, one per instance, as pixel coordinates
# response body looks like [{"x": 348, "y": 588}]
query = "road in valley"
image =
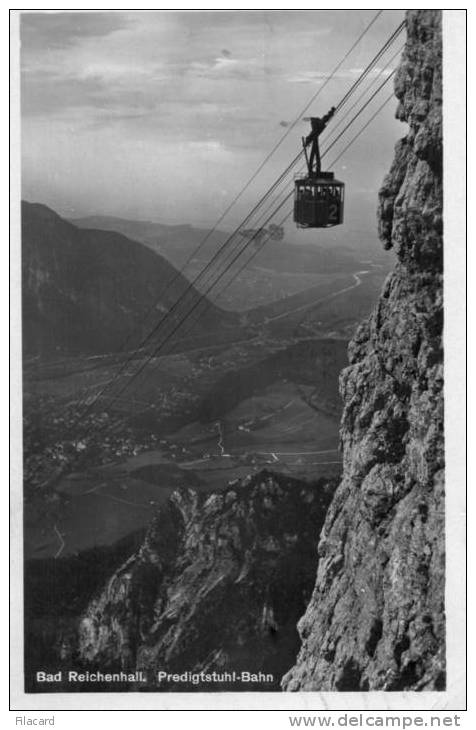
[{"x": 328, "y": 297}]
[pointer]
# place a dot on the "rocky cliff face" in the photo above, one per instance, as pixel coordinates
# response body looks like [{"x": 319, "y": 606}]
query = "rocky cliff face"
[
  {"x": 376, "y": 618},
  {"x": 218, "y": 585}
]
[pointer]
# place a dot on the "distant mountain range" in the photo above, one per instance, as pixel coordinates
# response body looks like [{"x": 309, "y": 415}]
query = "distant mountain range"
[
  {"x": 89, "y": 290},
  {"x": 177, "y": 243}
]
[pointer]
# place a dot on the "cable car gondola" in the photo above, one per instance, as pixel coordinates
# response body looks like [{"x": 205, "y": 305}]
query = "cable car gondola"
[{"x": 318, "y": 196}]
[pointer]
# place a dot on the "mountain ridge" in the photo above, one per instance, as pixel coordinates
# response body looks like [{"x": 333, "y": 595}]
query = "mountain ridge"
[
  {"x": 216, "y": 585},
  {"x": 90, "y": 290}
]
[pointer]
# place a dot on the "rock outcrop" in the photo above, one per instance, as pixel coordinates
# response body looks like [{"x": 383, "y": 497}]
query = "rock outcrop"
[
  {"x": 376, "y": 619},
  {"x": 218, "y": 585}
]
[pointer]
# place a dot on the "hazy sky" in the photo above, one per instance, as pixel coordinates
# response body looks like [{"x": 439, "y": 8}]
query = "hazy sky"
[{"x": 165, "y": 115}]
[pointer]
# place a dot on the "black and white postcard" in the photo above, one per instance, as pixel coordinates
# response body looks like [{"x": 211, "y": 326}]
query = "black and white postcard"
[{"x": 238, "y": 243}]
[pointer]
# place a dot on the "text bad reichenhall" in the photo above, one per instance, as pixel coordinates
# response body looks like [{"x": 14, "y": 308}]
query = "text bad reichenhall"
[
  {"x": 80, "y": 677},
  {"x": 161, "y": 676}
]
